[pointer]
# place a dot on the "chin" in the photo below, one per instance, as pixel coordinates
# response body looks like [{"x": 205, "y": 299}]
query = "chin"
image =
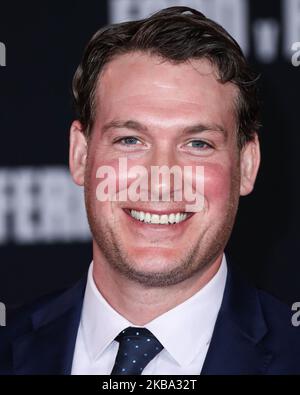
[{"x": 154, "y": 259}]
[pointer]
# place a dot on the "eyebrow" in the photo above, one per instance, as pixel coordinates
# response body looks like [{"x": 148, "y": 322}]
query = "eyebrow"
[
  {"x": 137, "y": 126},
  {"x": 200, "y": 127},
  {"x": 119, "y": 124}
]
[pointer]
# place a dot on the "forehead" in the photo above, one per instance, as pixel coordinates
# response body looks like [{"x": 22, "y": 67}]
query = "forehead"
[{"x": 138, "y": 83}]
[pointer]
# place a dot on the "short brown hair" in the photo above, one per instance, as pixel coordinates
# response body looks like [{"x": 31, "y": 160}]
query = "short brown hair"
[{"x": 176, "y": 34}]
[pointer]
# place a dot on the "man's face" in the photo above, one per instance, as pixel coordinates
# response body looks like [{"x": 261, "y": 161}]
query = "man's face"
[{"x": 155, "y": 113}]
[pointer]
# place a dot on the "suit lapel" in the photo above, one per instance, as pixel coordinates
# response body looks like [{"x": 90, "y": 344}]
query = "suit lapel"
[
  {"x": 48, "y": 348},
  {"x": 237, "y": 343},
  {"x": 236, "y": 346}
]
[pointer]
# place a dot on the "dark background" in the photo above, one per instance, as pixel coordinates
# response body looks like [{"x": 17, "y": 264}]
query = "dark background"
[{"x": 44, "y": 43}]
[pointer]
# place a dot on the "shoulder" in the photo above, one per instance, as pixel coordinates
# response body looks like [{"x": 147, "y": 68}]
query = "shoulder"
[
  {"x": 44, "y": 310},
  {"x": 283, "y": 336},
  {"x": 242, "y": 291},
  {"x": 265, "y": 314},
  {"x": 279, "y": 317}
]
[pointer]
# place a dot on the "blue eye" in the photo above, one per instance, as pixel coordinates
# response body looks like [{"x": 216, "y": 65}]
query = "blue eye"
[
  {"x": 199, "y": 144},
  {"x": 129, "y": 141}
]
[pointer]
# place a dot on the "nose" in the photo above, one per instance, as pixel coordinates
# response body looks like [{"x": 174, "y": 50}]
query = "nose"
[{"x": 165, "y": 174}]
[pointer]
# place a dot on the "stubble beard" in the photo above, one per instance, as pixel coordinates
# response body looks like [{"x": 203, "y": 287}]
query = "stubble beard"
[{"x": 196, "y": 260}]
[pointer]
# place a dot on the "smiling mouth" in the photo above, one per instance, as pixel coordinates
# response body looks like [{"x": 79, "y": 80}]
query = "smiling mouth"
[{"x": 159, "y": 219}]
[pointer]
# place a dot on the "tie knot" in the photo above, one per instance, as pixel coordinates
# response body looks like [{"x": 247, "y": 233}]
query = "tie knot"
[
  {"x": 132, "y": 333},
  {"x": 138, "y": 346}
]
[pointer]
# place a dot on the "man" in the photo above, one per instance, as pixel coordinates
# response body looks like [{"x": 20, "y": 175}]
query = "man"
[{"x": 171, "y": 91}]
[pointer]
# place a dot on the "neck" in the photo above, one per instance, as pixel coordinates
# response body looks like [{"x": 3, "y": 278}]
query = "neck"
[{"x": 140, "y": 304}]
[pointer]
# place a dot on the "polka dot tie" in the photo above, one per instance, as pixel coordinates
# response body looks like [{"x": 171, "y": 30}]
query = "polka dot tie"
[{"x": 138, "y": 346}]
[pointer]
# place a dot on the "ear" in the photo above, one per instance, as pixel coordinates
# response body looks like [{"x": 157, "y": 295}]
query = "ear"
[
  {"x": 250, "y": 160},
  {"x": 77, "y": 153}
]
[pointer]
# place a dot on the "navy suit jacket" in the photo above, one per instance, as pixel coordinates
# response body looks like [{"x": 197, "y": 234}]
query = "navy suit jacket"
[{"x": 253, "y": 334}]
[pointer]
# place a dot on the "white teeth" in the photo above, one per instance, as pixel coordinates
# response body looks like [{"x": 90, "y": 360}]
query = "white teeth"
[
  {"x": 172, "y": 218},
  {"x": 134, "y": 214},
  {"x": 147, "y": 217},
  {"x": 154, "y": 219},
  {"x": 142, "y": 216},
  {"x": 163, "y": 219}
]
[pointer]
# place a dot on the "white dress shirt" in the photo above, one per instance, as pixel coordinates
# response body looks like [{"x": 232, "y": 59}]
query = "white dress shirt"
[{"x": 185, "y": 331}]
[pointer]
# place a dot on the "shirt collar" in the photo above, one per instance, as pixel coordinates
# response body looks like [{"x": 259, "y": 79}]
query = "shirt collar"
[
  {"x": 100, "y": 322},
  {"x": 183, "y": 330},
  {"x": 192, "y": 322}
]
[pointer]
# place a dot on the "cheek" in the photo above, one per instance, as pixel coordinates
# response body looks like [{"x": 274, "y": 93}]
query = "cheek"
[
  {"x": 218, "y": 184},
  {"x": 97, "y": 179},
  {"x": 108, "y": 182}
]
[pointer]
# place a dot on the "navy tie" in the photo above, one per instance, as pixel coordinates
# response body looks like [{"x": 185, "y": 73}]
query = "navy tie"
[{"x": 138, "y": 346}]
